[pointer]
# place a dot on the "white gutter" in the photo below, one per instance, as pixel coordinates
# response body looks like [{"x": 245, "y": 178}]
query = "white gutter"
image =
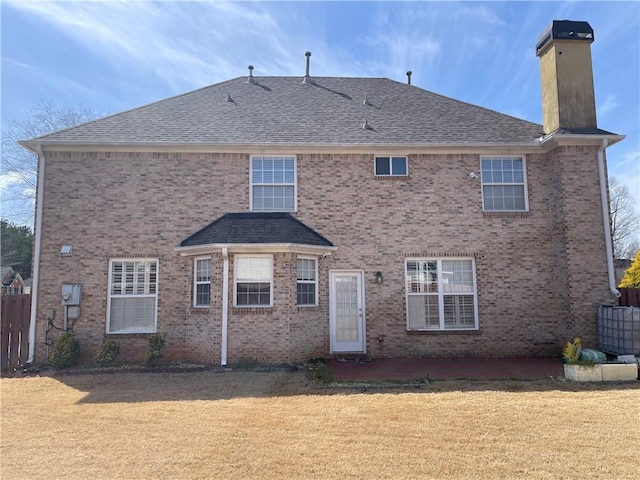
[
  {"x": 256, "y": 248},
  {"x": 36, "y": 259},
  {"x": 604, "y": 200},
  {"x": 225, "y": 307}
]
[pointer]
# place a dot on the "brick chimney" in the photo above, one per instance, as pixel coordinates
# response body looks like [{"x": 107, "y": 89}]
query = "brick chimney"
[{"x": 568, "y": 99}]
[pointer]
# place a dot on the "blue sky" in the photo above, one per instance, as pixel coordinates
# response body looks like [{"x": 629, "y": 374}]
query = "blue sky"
[{"x": 113, "y": 56}]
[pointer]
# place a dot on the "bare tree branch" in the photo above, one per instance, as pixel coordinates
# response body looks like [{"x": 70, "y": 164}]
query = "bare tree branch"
[
  {"x": 624, "y": 220},
  {"x": 19, "y": 166}
]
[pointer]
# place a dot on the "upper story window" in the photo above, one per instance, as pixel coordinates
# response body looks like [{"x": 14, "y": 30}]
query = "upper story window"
[
  {"x": 441, "y": 294},
  {"x": 307, "y": 281},
  {"x": 253, "y": 280},
  {"x": 133, "y": 296},
  {"x": 504, "y": 187},
  {"x": 391, "y": 166},
  {"x": 202, "y": 282},
  {"x": 273, "y": 184}
]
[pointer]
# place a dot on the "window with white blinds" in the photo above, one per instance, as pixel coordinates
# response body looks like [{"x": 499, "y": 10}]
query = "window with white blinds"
[
  {"x": 133, "y": 296},
  {"x": 441, "y": 294},
  {"x": 253, "y": 280}
]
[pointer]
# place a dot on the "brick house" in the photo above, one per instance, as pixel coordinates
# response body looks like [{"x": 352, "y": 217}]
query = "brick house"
[
  {"x": 13, "y": 283},
  {"x": 285, "y": 218}
]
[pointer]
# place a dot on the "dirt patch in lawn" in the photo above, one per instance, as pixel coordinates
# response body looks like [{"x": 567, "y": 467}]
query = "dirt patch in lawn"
[{"x": 243, "y": 424}]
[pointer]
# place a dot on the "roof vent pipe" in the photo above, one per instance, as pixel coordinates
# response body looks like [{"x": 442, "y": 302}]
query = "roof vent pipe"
[
  {"x": 409, "y": 72},
  {"x": 250, "y": 79},
  {"x": 306, "y": 74}
]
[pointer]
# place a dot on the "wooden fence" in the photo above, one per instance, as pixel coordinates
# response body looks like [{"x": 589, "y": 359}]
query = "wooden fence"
[
  {"x": 14, "y": 330},
  {"x": 630, "y": 297}
]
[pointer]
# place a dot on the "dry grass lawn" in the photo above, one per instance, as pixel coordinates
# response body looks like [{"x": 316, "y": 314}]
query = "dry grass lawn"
[{"x": 273, "y": 425}]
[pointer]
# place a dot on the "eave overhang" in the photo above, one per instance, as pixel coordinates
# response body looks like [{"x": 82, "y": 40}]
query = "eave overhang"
[
  {"x": 542, "y": 144},
  {"x": 269, "y": 148},
  {"x": 557, "y": 139},
  {"x": 314, "y": 250}
]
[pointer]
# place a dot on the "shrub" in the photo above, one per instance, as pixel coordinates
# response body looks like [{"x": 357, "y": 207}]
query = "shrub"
[
  {"x": 318, "y": 371},
  {"x": 108, "y": 353},
  {"x": 65, "y": 352},
  {"x": 155, "y": 349}
]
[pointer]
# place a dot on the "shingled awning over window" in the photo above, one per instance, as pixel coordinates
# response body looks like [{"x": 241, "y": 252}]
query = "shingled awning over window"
[{"x": 256, "y": 231}]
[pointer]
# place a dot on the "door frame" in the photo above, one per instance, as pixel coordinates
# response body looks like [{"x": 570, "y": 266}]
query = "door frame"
[{"x": 363, "y": 320}]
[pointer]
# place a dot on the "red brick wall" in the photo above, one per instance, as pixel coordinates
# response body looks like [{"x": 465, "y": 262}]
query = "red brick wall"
[{"x": 540, "y": 274}]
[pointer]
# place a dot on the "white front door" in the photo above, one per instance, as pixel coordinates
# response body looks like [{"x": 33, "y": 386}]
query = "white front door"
[{"x": 347, "y": 315}]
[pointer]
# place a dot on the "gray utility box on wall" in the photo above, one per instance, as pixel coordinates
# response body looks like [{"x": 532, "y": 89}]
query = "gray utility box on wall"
[
  {"x": 71, "y": 294},
  {"x": 619, "y": 330}
]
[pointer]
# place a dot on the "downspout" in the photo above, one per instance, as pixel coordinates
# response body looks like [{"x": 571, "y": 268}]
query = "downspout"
[
  {"x": 604, "y": 200},
  {"x": 36, "y": 259},
  {"x": 225, "y": 306}
]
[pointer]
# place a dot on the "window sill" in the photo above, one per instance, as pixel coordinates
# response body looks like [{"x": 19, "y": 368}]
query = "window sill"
[
  {"x": 506, "y": 214},
  {"x": 128, "y": 334},
  {"x": 444, "y": 332},
  {"x": 308, "y": 308}
]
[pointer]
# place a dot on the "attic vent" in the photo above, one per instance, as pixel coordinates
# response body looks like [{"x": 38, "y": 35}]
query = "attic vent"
[
  {"x": 366, "y": 125},
  {"x": 250, "y": 79},
  {"x": 306, "y": 75},
  {"x": 366, "y": 100},
  {"x": 229, "y": 99},
  {"x": 409, "y": 72}
]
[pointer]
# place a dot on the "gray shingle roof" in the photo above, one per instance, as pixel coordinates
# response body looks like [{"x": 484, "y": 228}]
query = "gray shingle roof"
[
  {"x": 256, "y": 228},
  {"x": 324, "y": 111}
]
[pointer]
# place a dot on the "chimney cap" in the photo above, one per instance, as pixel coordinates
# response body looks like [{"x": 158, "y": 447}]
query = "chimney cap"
[{"x": 564, "y": 30}]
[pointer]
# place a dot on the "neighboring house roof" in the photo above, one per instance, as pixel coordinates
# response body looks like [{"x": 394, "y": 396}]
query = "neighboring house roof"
[
  {"x": 17, "y": 281},
  {"x": 286, "y": 111},
  {"x": 256, "y": 228}
]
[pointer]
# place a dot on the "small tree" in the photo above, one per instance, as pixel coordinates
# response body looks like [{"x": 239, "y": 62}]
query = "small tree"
[{"x": 631, "y": 277}]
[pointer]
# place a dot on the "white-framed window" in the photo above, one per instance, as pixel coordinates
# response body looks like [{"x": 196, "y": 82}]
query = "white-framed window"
[
  {"x": 253, "y": 281},
  {"x": 307, "y": 281},
  {"x": 273, "y": 184},
  {"x": 504, "y": 184},
  {"x": 202, "y": 282},
  {"x": 441, "y": 294},
  {"x": 132, "y": 302},
  {"x": 391, "y": 166}
]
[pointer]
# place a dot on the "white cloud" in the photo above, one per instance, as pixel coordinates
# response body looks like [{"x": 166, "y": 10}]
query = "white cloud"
[
  {"x": 481, "y": 14},
  {"x": 158, "y": 37},
  {"x": 610, "y": 103},
  {"x": 10, "y": 179}
]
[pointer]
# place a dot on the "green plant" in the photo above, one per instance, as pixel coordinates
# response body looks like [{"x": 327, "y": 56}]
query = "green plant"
[
  {"x": 65, "y": 352},
  {"x": 108, "y": 353},
  {"x": 155, "y": 349},
  {"x": 583, "y": 363},
  {"x": 318, "y": 371}
]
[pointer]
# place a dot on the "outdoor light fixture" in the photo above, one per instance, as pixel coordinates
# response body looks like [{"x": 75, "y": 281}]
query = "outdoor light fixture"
[{"x": 378, "y": 277}]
